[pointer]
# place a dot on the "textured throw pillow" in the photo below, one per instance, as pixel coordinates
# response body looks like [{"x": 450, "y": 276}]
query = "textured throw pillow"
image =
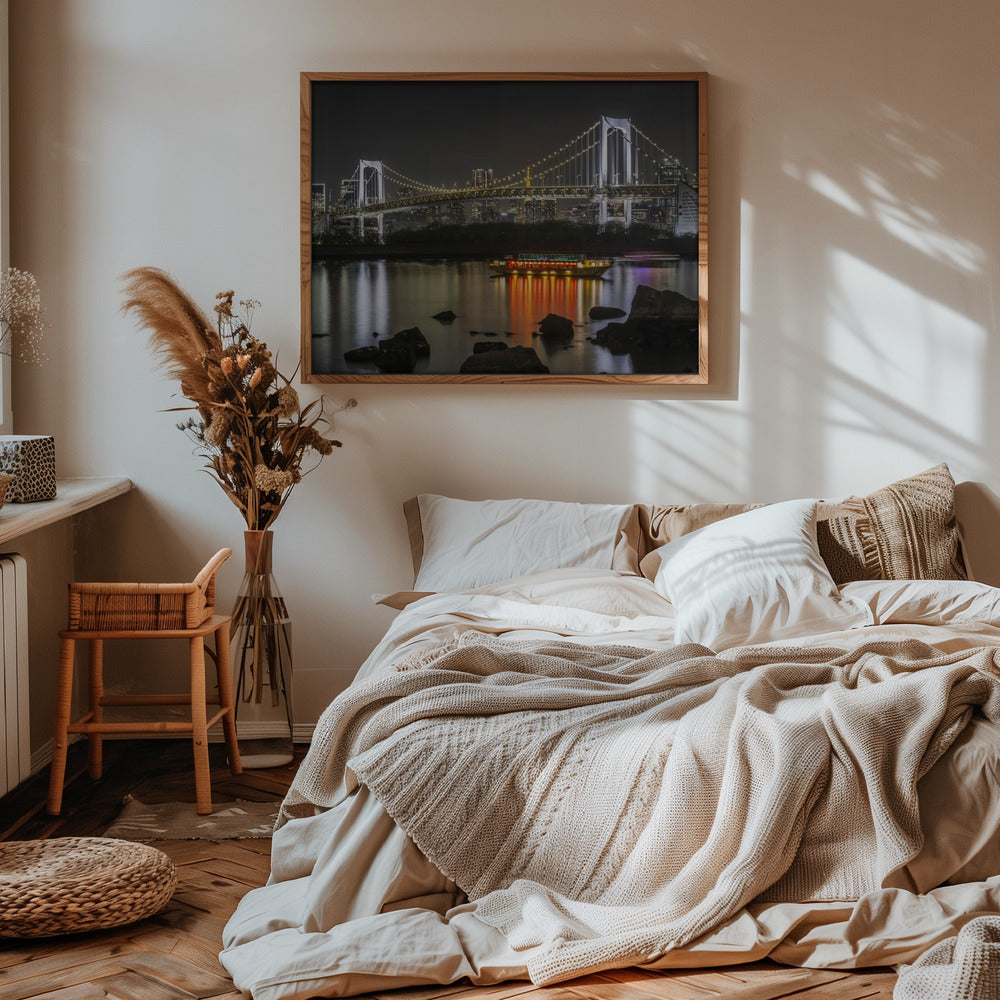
[
  {"x": 755, "y": 577},
  {"x": 904, "y": 531},
  {"x": 459, "y": 544}
]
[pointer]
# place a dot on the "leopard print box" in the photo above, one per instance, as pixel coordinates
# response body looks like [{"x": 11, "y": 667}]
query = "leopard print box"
[{"x": 31, "y": 460}]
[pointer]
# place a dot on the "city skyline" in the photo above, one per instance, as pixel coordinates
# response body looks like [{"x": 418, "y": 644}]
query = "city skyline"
[{"x": 440, "y": 132}]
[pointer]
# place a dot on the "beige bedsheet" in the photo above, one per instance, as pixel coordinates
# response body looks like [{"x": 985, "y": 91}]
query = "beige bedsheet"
[{"x": 352, "y": 906}]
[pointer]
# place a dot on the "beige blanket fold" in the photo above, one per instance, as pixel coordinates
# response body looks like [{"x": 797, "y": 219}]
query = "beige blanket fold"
[{"x": 605, "y": 805}]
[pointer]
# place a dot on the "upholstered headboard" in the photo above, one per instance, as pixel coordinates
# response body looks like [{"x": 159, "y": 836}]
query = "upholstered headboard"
[{"x": 977, "y": 509}]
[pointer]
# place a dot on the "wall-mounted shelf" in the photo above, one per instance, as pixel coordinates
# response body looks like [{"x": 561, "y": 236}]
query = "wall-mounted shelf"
[{"x": 72, "y": 497}]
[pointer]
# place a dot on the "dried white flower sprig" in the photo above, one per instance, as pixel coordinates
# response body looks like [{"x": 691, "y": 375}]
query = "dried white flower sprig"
[{"x": 22, "y": 318}]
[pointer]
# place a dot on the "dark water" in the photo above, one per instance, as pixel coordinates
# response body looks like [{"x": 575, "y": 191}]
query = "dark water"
[{"x": 353, "y": 301}]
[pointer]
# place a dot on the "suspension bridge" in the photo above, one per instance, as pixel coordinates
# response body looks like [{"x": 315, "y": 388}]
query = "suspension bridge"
[{"x": 611, "y": 163}]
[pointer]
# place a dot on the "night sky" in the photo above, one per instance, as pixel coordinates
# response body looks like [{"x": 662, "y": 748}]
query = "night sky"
[{"x": 438, "y": 131}]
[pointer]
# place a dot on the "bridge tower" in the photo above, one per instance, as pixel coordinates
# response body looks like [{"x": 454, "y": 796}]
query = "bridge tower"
[
  {"x": 370, "y": 171},
  {"x": 616, "y": 149}
]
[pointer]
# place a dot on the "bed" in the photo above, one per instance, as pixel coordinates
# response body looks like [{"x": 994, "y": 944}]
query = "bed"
[{"x": 601, "y": 736}]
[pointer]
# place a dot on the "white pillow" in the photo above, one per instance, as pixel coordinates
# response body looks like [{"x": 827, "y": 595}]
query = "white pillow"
[
  {"x": 470, "y": 543},
  {"x": 752, "y": 578}
]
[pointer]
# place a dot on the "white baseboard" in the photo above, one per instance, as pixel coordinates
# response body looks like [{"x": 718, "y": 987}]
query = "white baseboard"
[{"x": 41, "y": 757}]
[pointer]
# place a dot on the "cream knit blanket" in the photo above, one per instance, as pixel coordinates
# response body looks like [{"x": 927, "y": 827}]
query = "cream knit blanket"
[
  {"x": 605, "y": 805},
  {"x": 965, "y": 967}
]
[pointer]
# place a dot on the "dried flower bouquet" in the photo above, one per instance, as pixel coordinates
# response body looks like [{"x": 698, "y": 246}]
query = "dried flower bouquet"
[{"x": 250, "y": 425}]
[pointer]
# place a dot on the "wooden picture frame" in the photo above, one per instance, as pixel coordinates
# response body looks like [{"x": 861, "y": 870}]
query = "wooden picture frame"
[{"x": 504, "y": 228}]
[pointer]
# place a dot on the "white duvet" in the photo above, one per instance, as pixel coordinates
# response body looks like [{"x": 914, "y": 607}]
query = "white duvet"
[{"x": 352, "y": 906}]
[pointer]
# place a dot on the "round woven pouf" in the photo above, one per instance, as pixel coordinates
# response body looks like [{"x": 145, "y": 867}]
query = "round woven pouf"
[{"x": 73, "y": 884}]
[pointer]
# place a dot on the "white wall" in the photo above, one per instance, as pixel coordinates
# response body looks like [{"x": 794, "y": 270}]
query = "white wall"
[{"x": 853, "y": 266}]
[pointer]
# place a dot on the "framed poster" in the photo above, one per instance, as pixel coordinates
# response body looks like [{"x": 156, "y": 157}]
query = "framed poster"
[{"x": 504, "y": 228}]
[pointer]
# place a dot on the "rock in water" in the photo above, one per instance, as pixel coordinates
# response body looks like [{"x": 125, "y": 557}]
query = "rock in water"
[
  {"x": 660, "y": 333},
  {"x": 365, "y": 355},
  {"x": 606, "y": 312},
  {"x": 556, "y": 327},
  {"x": 397, "y": 355},
  {"x": 445, "y": 316},
  {"x": 617, "y": 338},
  {"x": 665, "y": 305},
  {"x": 500, "y": 361},
  {"x": 483, "y": 346},
  {"x": 416, "y": 340}
]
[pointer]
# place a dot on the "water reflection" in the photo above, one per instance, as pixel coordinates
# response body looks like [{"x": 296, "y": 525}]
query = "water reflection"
[{"x": 356, "y": 302}]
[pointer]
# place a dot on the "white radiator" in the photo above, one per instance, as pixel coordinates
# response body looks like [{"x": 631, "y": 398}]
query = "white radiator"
[{"x": 15, "y": 743}]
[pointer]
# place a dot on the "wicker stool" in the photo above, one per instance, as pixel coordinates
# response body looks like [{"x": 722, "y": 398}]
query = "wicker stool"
[
  {"x": 73, "y": 884},
  {"x": 99, "y": 611}
]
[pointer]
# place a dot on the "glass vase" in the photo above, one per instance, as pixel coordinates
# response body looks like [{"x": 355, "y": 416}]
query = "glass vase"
[{"x": 262, "y": 660}]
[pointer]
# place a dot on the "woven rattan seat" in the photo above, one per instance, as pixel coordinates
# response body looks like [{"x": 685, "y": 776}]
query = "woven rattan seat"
[
  {"x": 113, "y": 611},
  {"x": 72, "y": 884},
  {"x": 119, "y": 606}
]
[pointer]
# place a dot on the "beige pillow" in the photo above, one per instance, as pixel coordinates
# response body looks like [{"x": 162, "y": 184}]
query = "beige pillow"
[
  {"x": 904, "y": 531},
  {"x": 660, "y": 524}
]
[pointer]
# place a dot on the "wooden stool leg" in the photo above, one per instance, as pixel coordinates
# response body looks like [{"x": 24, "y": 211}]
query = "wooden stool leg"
[
  {"x": 64, "y": 699},
  {"x": 95, "y": 742},
  {"x": 224, "y": 669},
  {"x": 199, "y": 720}
]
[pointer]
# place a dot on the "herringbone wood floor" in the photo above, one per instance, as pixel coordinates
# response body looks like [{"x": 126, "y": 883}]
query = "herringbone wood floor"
[{"x": 173, "y": 956}]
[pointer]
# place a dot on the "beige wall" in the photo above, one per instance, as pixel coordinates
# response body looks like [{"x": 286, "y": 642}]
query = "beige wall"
[{"x": 853, "y": 266}]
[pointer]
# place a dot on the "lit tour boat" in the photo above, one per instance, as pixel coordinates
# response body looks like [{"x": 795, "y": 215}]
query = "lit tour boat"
[{"x": 563, "y": 265}]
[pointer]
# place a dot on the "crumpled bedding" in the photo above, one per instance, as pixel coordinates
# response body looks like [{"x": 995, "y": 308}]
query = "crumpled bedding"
[{"x": 352, "y": 906}]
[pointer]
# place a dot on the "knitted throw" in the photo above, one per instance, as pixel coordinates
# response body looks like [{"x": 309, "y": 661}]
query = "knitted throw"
[
  {"x": 965, "y": 967},
  {"x": 605, "y": 805}
]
